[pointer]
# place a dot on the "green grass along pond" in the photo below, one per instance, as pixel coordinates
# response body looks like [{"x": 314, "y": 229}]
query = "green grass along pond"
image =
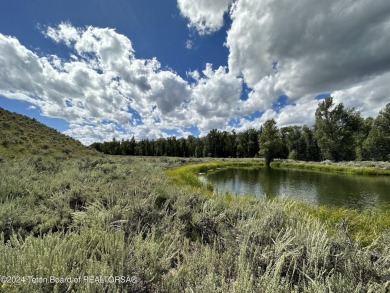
[
  {"x": 336, "y": 185},
  {"x": 319, "y": 188},
  {"x": 366, "y": 225}
]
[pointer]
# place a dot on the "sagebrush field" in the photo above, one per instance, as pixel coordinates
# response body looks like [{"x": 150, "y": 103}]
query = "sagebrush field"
[{"x": 77, "y": 213}]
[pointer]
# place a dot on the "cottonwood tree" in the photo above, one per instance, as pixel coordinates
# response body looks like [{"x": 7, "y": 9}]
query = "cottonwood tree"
[
  {"x": 335, "y": 128},
  {"x": 269, "y": 141},
  {"x": 293, "y": 143},
  {"x": 248, "y": 143},
  {"x": 377, "y": 144},
  {"x": 312, "y": 151}
]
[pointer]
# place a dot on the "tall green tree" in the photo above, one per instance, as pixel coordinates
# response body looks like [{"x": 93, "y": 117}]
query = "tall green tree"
[
  {"x": 213, "y": 146},
  {"x": 269, "y": 141},
  {"x": 361, "y": 137},
  {"x": 293, "y": 142},
  {"x": 199, "y": 147},
  {"x": 312, "y": 151},
  {"x": 377, "y": 144},
  {"x": 232, "y": 144},
  {"x": 335, "y": 128},
  {"x": 248, "y": 143}
]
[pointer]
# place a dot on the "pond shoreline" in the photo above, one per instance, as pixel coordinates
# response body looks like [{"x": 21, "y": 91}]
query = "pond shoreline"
[
  {"x": 356, "y": 168},
  {"x": 187, "y": 176}
]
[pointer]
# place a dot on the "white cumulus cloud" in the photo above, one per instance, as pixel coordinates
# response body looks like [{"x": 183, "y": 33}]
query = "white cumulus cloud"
[
  {"x": 276, "y": 47},
  {"x": 103, "y": 90},
  {"x": 305, "y": 48},
  {"x": 206, "y": 16}
]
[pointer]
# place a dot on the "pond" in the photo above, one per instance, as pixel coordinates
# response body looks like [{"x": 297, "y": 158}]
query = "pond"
[{"x": 319, "y": 188}]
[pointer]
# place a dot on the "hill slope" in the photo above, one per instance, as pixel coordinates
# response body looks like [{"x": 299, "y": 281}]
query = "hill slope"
[{"x": 21, "y": 135}]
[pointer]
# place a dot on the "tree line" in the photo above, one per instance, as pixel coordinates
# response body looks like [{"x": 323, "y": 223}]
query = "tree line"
[{"x": 339, "y": 134}]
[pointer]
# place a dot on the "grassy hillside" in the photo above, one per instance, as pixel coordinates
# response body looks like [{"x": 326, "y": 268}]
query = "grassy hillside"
[
  {"x": 90, "y": 219},
  {"x": 21, "y": 135}
]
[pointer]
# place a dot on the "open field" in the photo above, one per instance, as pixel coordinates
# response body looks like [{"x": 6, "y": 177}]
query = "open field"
[{"x": 124, "y": 216}]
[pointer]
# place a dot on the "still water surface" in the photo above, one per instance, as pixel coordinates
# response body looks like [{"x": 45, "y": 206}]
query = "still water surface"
[{"x": 315, "y": 187}]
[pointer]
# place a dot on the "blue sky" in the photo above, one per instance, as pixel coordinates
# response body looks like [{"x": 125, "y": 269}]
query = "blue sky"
[
  {"x": 156, "y": 28},
  {"x": 160, "y": 33},
  {"x": 101, "y": 69}
]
